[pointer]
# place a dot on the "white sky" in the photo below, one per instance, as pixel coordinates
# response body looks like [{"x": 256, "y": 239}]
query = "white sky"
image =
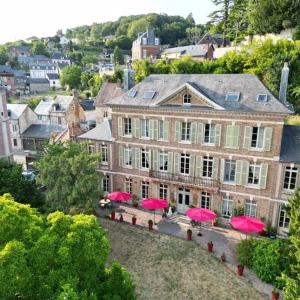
[{"x": 21, "y": 19}]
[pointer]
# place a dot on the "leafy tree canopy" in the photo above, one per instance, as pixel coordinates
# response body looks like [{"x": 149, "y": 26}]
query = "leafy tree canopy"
[
  {"x": 70, "y": 76},
  {"x": 39, "y": 48}
]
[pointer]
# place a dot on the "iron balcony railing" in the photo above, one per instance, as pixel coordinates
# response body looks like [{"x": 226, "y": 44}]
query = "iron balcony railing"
[{"x": 197, "y": 181}]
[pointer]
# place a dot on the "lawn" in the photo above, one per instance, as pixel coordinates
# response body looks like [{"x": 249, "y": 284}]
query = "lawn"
[
  {"x": 166, "y": 267},
  {"x": 293, "y": 120}
]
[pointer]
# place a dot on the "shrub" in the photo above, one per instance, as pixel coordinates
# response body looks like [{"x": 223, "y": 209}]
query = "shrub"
[{"x": 244, "y": 251}]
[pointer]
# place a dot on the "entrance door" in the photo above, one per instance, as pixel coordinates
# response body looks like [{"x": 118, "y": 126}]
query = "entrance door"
[
  {"x": 183, "y": 200},
  {"x": 283, "y": 222}
]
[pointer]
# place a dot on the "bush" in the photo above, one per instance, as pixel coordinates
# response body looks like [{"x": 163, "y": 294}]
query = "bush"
[
  {"x": 244, "y": 252},
  {"x": 296, "y": 33}
]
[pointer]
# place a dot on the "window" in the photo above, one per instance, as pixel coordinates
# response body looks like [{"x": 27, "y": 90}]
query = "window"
[
  {"x": 145, "y": 189},
  {"x": 161, "y": 129},
  {"x": 145, "y": 128},
  {"x": 284, "y": 220},
  {"x": 105, "y": 114},
  {"x": 262, "y": 98},
  {"x": 187, "y": 99},
  {"x": 209, "y": 133},
  {"x": 15, "y": 142},
  {"x": 229, "y": 172},
  {"x": 149, "y": 95},
  {"x": 185, "y": 131},
  {"x": 163, "y": 191},
  {"x": 253, "y": 174},
  {"x": 207, "y": 166},
  {"x": 91, "y": 148},
  {"x": 250, "y": 208},
  {"x": 227, "y": 205},
  {"x": 145, "y": 159},
  {"x": 144, "y": 50},
  {"x": 128, "y": 185},
  {"x": 163, "y": 161},
  {"x": 127, "y": 157},
  {"x": 127, "y": 126},
  {"x": 205, "y": 200},
  {"x": 15, "y": 128},
  {"x": 156, "y": 41},
  {"x": 40, "y": 117},
  {"x": 290, "y": 178},
  {"x": 257, "y": 138},
  {"x": 105, "y": 181},
  {"x": 185, "y": 164},
  {"x": 132, "y": 93},
  {"x": 232, "y": 97},
  {"x": 104, "y": 154}
]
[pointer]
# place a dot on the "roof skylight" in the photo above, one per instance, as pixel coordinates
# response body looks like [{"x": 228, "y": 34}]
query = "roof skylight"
[
  {"x": 132, "y": 93},
  {"x": 262, "y": 98},
  {"x": 233, "y": 97},
  {"x": 149, "y": 94}
]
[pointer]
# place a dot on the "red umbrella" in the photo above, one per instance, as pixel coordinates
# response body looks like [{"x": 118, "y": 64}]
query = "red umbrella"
[
  {"x": 154, "y": 204},
  {"x": 247, "y": 224},
  {"x": 119, "y": 196},
  {"x": 201, "y": 214}
]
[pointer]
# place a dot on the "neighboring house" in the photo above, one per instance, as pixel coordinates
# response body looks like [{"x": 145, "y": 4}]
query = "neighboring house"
[
  {"x": 60, "y": 58},
  {"x": 7, "y": 77},
  {"x": 64, "y": 41},
  {"x": 41, "y": 70},
  {"x": 38, "y": 84},
  {"x": 107, "y": 92},
  {"x": 18, "y": 51},
  {"x": 197, "y": 52},
  {"x": 20, "y": 81},
  {"x": 43, "y": 110},
  {"x": 54, "y": 80},
  {"x": 106, "y": 69},
  {"x": 146, "y": 45},
  {"x": 21, "y": 117},
  {"x": 214, "y": 39},
  {"x": 88, "y": 105},
  {"x": 100, "y": 140},
  {"x": 208, "y": 140},
  {"x": 5, "y": 139},
  {"x": 34, "y": 59}
]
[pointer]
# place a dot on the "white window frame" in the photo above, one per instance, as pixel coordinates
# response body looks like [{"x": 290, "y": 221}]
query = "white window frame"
[
  {"x": 205, "y": 200},
  {"x": 256, "y": 171},
  {"x": 104, "y": 154},
  {"x": 145, "y": 156},
  {"x": 260, "y": 137},
  {"x": 186, "y": 99},
  {"x": 185, "y": 163},
  {"x": 145, "y": 189},
  {"x": 250, "y": 208},
  {"x": 163, "y": 190},
  {"x": 161, "y": 128},
  {"x": 14, "y": 128},
  {"x": 127, "y": 157},
  {"x": 163, "y": 161},
  {"x": 227, "y": 208},
  {"x": 185, "y": 134},
  {"x": 231, "y": 163},
  {"x": 127, "y": 127},
  {"x": 106, "y": 183},
  {"x": 288, "y": 174},
  {"x": 128, "y": 185},
  {"x": 145, "y": 129},
  {"x": 208, "y": 166},
  {"x": 209, "y": 134},
  {"x": 91, "y": 148}
]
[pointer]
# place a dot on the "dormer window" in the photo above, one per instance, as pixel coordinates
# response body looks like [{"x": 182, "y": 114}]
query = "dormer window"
[
  {"x": 262, "y": 98},
  {"x": 187, "y": 98},
  {"x": 232, "y": 97},
  {"x": 132, "y": 93}
]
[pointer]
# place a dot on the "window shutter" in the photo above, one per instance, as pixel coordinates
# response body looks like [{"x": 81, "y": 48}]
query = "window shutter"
[
  {"x": 166, "y": 130},
  {"x": 194, "y": 132},
  {"x": 150, "y": 158},
  {"x": 263, "y": 176},
  {"x": 136, "y": 128},
  {"x": 245, "y": 172},
  {"x": 121, "y": 153},
  {"x": 229, "y": 136},
  {"x": 200, "y": 133},
  {"x": 170, "y": 162},
  {"x": 155, "y": 130},
  {"x": 120, "y": 126},
  {"x": 177, "y": 131},
  {"x": 136, "y": 157},
  {"x": 247, "y": 137},
  {"x": 268, "y": 138},
  {"x": 222, "y": 169},
  {"x": 215, "y": 168},
  {"x": 154, "y": 191},
  {"x": 155, "y": 160},
  {"x": 236, "y": 136},
  {"x": 238, "y": 172},
  {"x": 199, "y": 166},
  {"x": 176, "y": 163},
  {"x": 192, "y": 165},
  {"x": 151, "y": 129},
  {"x": 218, "y": 134}
]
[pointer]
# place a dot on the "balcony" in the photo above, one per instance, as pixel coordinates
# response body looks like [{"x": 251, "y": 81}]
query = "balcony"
[{"x": 191, "y": 180}]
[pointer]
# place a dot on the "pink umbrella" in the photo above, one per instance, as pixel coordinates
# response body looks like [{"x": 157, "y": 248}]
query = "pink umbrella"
[
  {"x": 119, "y": 196},
  {"x": 247, "y": 224},
  {"x": 154, "y": 204}
]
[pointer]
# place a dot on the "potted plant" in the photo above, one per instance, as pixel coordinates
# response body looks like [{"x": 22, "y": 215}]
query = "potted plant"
[
  {"x": 238, "y": 211},
  {"x": 173, "y": 205},
  {"x": 223, "y": 257},
  {"x": 271, "y": 231},
  {"x": 275, "y": 294},
  {"x": 121, "y": 219},
  {"x": 113, "y": 215},
  {"x": 215, "y": 221},
  {"x": 240, "y": 270},
  {"x": 133, "y": 220},
  {"x": 150, "y": 225},
  {"x": 189, "y": 234},
  {"x": 135, "y": 201},
  {"x": 210, "y": 246}
]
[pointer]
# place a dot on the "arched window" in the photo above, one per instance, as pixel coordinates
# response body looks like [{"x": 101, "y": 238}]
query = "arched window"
[{"x": 187, "y": 99}]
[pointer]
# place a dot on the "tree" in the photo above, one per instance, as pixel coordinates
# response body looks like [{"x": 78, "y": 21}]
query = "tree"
[
  {"x": 33, "y": 103},
  {"x": 69, "y": 172},
  {"x": 190, "y": 20},
  {"x": 38, "y": 48},
  {"x": 3, "y": 55},
  {"x": 296, "y": 33},
  {"x": 12, "y": 181},
  {"x": 70, "y": 76},
  {"x": 56, "y": 257},
  {"x": 118, "y": 56}
]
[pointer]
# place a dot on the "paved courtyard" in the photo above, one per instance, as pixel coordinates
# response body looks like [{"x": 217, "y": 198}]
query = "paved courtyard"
[{"x": 224, "y": 239}]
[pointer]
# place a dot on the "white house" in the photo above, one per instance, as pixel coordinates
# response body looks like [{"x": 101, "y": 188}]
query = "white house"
[
  {"x": 60, "y": 58},
  {"x": 41, "y": 70},
  {"x": 54, "y": 80}
]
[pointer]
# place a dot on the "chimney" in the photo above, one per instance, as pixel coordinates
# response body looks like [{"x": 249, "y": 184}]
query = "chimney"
[
  {"x": 5, "y": 139},
  {"x": 284, "y": 83},
  {"x": 128, "y": 79}
]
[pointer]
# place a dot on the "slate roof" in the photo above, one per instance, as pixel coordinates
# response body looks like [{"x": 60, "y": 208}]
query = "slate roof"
[
  {"x": 42, "y": 66},
  {"x": 215, "y": 39},
  {"x": 191, "y": 50},
  {"x": 59, "y": 55},
  {"x": 52, "y": 76},
  {"x": 44, "y": 107},
  {"x": 22, "y": 48},
  {"x": 87, "y": 104},
  {"x": 101, "y": 132},
  {"x": 290, "y": 144},
  {"x": 38, "y": 81},
  {"x": 16, "y": 110},
  {"x": 42, "y": 131},
  {"x": 214, "y": 86},
  {"x": 6, "y": 69},
  {"x": 107, "y": 92}
]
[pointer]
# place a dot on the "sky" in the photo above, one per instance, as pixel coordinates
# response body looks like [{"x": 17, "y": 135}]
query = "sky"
[{"x": 21, "y": 19}]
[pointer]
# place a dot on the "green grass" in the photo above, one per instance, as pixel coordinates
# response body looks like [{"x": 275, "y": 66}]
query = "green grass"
[{"x": 293, "y": 120}]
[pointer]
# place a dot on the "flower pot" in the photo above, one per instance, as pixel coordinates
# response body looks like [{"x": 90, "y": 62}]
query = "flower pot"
[
  {"x": 150, "y": 226},
  {"x": 133, "y": 220},
  {"x": 113, "y": 215},
  {"x": 189, "y": 234},
  {"x": 275, "y": 295},
  {"x": 223, "y": 258},
  {"x": 135, "y": 204},
  {"x": 121, "y": 218},
  {"x": 263, "y": 233},
  {"x": 240, "y": 270},
  {"x": 210, "y": 247}
]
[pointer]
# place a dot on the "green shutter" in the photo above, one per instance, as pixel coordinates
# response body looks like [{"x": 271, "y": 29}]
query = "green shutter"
[
  {"x": 263, "y": 176},
  {"x": 200, "y": 133},
  {"x": 136, "y": 158},
  {"x": 232, "y": 136},
  {"x": 194, "y": 132},
  {"x": 136, "y": 128},
  {"x": 149, "y": 158},
  {"x": 215, "y": 168},
  {"x": 177, "y": 131},
  {"x": 155, "y": 160},
  {"x": 236, "y": 136},
  {"x": 238, "y": 172},
  {"x": 218, "y": 134},
  {"x": 170, "y": 162},
  {"x": 176, "y": 163},
  {"x": 192, "y": 164},
  {"x": 121, "y": 153},
  {"x": 120, "y": 126},
  {"x": 199, "y": 166},
  {"x": 268, "y": 138},
  {"x": 247, "y": 137},
  {"x": 222, "y": 169},
  {"x": 245, "y": 172},
  {"x": 166, "y": 130}
]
